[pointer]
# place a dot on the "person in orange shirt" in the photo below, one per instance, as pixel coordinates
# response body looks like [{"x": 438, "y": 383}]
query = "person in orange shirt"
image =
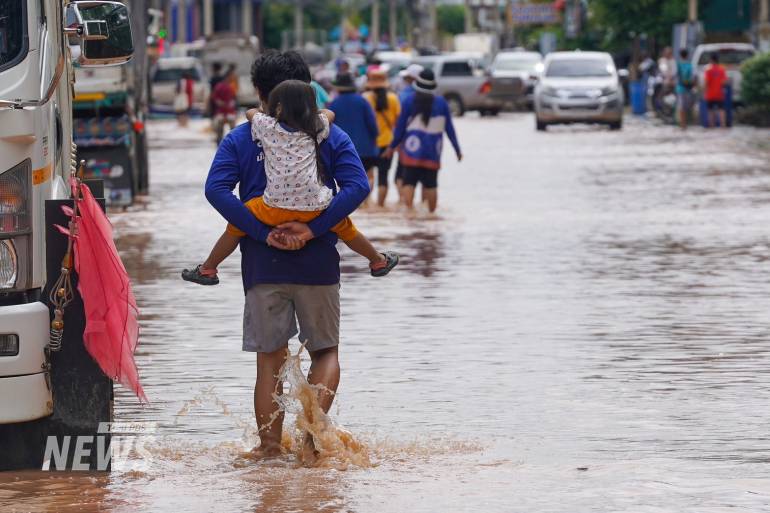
[
  {"x": 715, "y": 79},
  {"x": 386, "y": 110}
]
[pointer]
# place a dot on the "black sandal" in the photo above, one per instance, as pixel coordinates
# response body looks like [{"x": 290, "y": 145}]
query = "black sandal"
[
  {"x": 201, "y": 277},
  {"x": 382, "y": 268}
]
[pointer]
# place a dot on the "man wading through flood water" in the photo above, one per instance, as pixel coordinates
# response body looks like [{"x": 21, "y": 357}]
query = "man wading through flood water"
[{"x": 291, "y": 275}]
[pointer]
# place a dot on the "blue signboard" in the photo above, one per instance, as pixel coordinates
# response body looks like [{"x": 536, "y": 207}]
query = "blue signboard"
[{"x": 534, "y": 14}]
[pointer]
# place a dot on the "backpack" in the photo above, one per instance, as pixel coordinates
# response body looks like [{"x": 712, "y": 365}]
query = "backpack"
[{"x": 684, "y": 73}]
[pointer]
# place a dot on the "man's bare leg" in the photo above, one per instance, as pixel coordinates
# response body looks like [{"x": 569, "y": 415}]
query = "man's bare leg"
[
  {"x": 269, "y": 416},
  {"x": 722, "y": 118},
  {"x": 431, "y": 196},
  {"x": 324, "y": 371},
  {"x": 370, "y": 179},
  {"x": 408, "y": 191},
  {"x": 382, "y": 193}
]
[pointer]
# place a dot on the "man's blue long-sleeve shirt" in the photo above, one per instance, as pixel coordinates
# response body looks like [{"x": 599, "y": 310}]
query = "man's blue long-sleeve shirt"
[
  {"x": 355, "y": 116},
  {"x": 240, "y": 161}
]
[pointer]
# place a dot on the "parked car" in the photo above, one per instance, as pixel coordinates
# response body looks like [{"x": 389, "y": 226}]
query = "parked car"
[
  {"x": 393, "y": 62},
  {"x": 167, "y": 73},
  {"x": 731, "y": 56},
  {"x": 579, "y": 87},
  {"x": 514, "y": 76},
  {"x": 462, "y": 80}
]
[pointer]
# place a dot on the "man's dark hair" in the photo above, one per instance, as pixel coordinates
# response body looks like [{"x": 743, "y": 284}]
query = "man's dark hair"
[
  {"x": 216, "y": 67},
  {"x": 273, "y": 67},
  {"x": 683, "y": 53},
  {"x": 715, "y": 57}
]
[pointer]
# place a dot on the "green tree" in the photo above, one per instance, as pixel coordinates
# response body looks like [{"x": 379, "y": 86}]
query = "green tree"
[
  {"x": 617, "y": 20},
  {"x": 451, "y": 19},
  {"x": 755, "y": 87},
  {"x": 279, "y": 17}
]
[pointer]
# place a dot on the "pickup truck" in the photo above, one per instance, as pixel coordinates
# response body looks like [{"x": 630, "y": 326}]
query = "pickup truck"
[{"x": 463, "y": 82}]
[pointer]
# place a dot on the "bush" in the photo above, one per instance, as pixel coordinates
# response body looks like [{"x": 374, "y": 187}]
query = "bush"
[{"x": 755, "y": 87}]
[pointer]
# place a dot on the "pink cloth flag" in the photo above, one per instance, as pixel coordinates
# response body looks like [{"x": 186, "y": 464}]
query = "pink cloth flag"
[{"x": 112, "y": 327}]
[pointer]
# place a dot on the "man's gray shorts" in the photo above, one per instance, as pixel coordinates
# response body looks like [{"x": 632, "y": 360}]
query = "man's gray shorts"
[{"x": 271, "y": 314}]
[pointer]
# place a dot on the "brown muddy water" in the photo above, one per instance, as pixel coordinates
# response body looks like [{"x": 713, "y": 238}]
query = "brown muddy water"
[{"x": 582, "y": 328}]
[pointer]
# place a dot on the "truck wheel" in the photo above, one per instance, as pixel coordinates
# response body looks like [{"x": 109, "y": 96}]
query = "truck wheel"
[
  {"x": 541, "y": 126},
  {"x": 456, "y": 106},
  {"x": 616, "y": 125}
]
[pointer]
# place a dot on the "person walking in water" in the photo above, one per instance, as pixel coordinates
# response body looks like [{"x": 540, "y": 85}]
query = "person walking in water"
[
  {"x": 715, "y": 79},
  {"x": 684, "y": 86},
  {"x": 290, "y": 133},
  {"x": 386, "y": 109},
  {"x": 355, "y": 117},
  {"x": 406, "y": 91},
  {"x": 291, "y": 273},
  {"x": 419, "y": 135},
  {"x": 224, "y": 104}
]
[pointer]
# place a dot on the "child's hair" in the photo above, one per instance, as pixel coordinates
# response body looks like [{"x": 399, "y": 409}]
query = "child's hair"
[{"x": 293, "y": 103}]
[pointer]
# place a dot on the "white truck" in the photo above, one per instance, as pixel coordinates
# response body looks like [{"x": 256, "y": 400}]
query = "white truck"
[{"x": 36, "y": 157}]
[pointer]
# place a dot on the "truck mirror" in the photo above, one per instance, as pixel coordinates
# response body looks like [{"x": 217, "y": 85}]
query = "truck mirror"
[
  {"x": 104, "y": 30},
  {"x": 95, "y": 30}
]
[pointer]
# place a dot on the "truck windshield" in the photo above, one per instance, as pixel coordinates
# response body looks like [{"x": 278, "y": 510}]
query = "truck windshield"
[
  {"x": 12, "y": 32},
  {"x": 579, "y": 68},
  {"x": 175, "y": 74},
  {"x": 516, "y": 64},
  {"x": 728, "y": 56}
]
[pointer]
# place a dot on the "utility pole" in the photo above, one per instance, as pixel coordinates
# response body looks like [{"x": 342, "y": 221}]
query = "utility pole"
[
  {"x": 247, "y": 17},
  {"x": 433, "y": 23},
  {"x": 393, "y": 23},
  {"x": 510, "y": 36},
  {"x": 259, "y": 26},
  {"x": 469, "y": 24},
  {"x": 181, "y": 16},
  {"x": 763, "y": 27},
  {"x": 208, "y": 17},
  {"x": 375, "y": 24},
  {"x": 298, "y": 24},
  {"x": 692, "y": 11}
]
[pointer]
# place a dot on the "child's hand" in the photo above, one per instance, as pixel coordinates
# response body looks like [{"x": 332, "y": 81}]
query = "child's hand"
[
  {"x": 251, "y": 113},
  {"x": 329, "y": 115}
]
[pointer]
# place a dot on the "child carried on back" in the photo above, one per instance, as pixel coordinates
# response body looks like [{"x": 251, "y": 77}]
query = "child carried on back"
[{"x": 290, "y": 133}]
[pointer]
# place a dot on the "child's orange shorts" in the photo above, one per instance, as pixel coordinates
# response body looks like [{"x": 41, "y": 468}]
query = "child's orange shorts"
[{"x": 274, "y": 216}]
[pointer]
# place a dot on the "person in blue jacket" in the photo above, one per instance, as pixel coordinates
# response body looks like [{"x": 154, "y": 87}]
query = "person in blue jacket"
[
  {"x": 419, "y": 139},
  {"x": 291, "y": 273},
  {"x": 355, "y": 116}
]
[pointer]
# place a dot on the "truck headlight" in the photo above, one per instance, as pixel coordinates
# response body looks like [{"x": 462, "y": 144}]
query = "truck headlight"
[
  {"x": 15, "y": 224},
  {"x": 9, "y": 268},
  {"x": 16, "y": 199},
  {"x": 9, "y": 345}
]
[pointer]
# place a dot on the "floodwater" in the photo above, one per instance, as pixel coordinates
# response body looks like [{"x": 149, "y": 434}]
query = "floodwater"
[{"x": 582, "y": 328}]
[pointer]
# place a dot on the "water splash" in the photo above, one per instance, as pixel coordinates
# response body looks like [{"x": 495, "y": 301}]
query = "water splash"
[{"x": 335, "y": 446}]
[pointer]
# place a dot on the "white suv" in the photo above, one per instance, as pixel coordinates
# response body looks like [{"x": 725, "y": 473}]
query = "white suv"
[{"x": 579, "y": 87}]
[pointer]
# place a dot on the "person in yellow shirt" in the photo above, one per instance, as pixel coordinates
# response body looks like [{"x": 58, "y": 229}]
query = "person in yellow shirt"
[{"x": 386, "y": 110}]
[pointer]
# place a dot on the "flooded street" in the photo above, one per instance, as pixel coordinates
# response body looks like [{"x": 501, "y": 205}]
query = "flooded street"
[{"x": 582, "y": 328}]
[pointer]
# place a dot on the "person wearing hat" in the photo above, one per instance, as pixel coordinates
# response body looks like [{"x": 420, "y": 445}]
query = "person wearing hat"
[
  {"x": 355, "y": 116},
  {"x": 386, "y": 110},
  {"x": 408, "y": 76},
  {"x": 419, "y": 137}
]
